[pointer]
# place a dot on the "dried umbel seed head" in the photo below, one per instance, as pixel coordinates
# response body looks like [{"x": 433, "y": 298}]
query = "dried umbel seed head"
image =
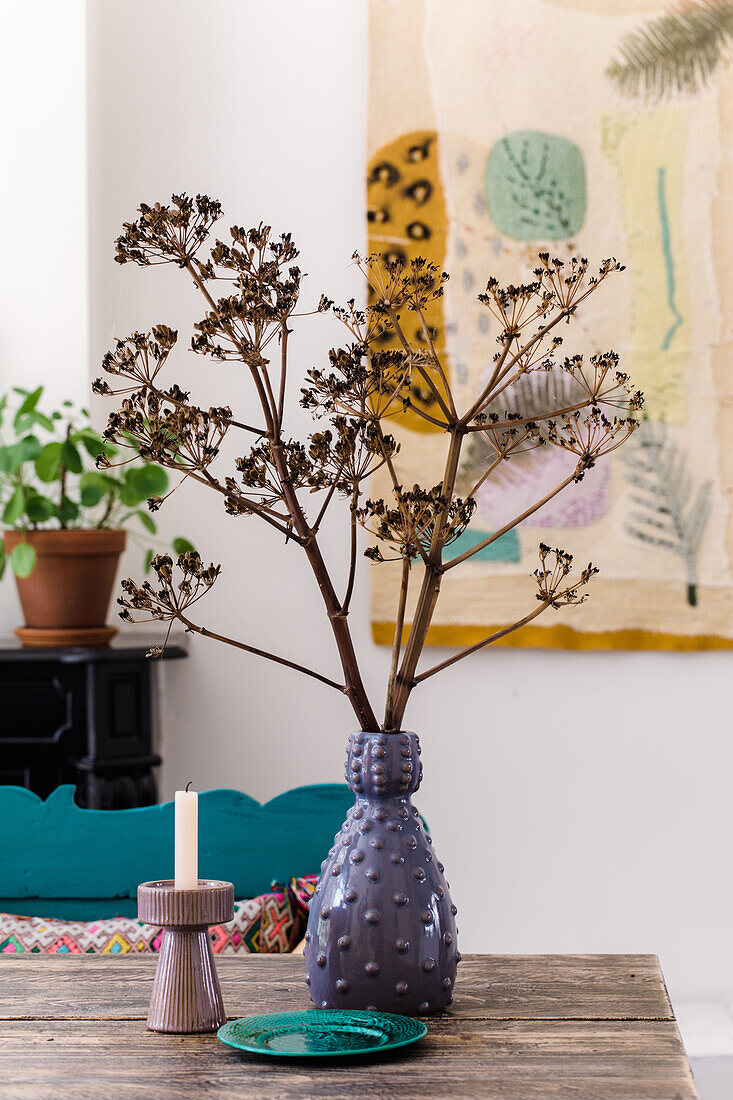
[
  {"x": 395, "y": 283},
  {"x": 350, "y": 451},
  {"x": 175, "y": 591},
  {"x": 163, "y": 427},
  {"x": 266, "y": 287},
  {"x": 551, "y": 576},
  {"x": 263, "y": 474},
  {"x": 363, "y": 382},
  {"x": 139, "y": 357},
  {"x": 589, "y": 434},
  {"x": 510, "y": 435},
  {"x": 409, "y": 525},
  {"x": 167, "y": 234}
]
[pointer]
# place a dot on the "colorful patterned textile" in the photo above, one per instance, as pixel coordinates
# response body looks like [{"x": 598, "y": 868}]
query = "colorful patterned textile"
[
  {"x": 580, "y": 127},
  {"x": 271, "y": 923}
]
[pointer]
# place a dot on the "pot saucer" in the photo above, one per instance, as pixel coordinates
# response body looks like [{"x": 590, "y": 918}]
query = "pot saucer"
[{"x": 39, "y": 637}]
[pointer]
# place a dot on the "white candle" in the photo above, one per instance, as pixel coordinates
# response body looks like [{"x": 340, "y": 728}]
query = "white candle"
[{"x": 187, "y": 840}]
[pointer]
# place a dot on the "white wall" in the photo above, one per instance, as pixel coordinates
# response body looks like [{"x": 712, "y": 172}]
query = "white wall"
[
  {"x": 580, "y": 801},
  {"x": 44, "y": 320}
]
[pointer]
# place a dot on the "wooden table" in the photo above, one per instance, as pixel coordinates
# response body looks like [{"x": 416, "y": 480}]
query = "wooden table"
[{"x": 586, "y": 1027}]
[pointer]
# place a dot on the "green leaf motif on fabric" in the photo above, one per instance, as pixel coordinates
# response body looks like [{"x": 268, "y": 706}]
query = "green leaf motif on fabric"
[
  {"x": 505, "y": 548},
  {"x": 535, "y": 186}
]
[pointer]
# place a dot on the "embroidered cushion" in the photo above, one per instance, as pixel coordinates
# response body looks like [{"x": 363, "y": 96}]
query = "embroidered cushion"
[{"x": 272, "y": 923}]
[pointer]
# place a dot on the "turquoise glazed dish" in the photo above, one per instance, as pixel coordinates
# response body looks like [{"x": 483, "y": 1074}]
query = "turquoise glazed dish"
[{"x": 330, "y": 1033}]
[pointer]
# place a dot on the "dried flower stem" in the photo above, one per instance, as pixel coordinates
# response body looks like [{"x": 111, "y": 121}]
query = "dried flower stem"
[
  {"x": 389, "y": 723},
  {"x": 429, "y": 590},
  {"x": 353, "y": 548},
  {"x": 481, "y": 645},
  {"x": 354, "y": 689},
  {"x": 379, "y": 375},
  {"x": 512, "y": 523},
  {"x": 205, "y": 633},
  {"x": 423, "y": 374}
]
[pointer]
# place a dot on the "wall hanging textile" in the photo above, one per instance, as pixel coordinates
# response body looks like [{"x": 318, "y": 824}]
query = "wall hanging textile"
[{"x": 580, "y": 128}]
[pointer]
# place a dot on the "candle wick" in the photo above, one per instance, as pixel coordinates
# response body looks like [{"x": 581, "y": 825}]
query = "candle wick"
[{"x": 189, "y": 784}]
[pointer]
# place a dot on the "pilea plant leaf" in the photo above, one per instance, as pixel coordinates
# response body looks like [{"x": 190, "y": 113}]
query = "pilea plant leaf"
[
  {"x": 29, "y": 448},
  {"x": 48, "y": 462},
  {"x": 13, "y": 510},
  {"x": 23, "y": 559},
  {"x": 92, "y": 443},
  {"x": 104, "y": 482},
  {"x": 39, "y": 508},
  {"x": 148, "y": 522},
  {"x": 70, "y": 457},
  {"x": 31, "y": 399},
  {"x": 148, "y": 480},
  {"x": 89, "y": 495},
  {"x": 67, "y": 511}
]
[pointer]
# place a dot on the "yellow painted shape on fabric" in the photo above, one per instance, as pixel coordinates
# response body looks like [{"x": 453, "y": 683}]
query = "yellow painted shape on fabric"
[
  {"x": 557, "y": 637},
  {"x": 406, "y": 216}
]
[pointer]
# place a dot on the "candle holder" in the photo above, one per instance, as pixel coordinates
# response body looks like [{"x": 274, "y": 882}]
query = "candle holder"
[{"x": 186, "y": 994}]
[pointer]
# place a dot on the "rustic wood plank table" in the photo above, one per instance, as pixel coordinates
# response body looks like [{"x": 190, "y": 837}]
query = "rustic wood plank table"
[{"x": 590, "y": 1027}]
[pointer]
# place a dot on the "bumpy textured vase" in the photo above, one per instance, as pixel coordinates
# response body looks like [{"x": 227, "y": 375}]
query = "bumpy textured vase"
[{"x": 381, "y": 930}]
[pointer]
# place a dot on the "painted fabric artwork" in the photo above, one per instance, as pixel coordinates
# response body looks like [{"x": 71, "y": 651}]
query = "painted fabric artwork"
[{"x": 590, "y": 129}]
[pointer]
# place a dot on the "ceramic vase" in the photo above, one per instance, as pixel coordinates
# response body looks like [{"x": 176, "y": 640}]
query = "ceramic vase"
[{"x": 381, "y": 930}]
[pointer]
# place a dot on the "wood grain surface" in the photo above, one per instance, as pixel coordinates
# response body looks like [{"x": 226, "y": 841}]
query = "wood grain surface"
[{"x": 521, "y": 1028}]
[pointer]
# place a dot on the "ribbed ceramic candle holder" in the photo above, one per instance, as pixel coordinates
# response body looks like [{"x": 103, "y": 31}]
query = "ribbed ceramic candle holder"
[{"x": 186, "y": 994}]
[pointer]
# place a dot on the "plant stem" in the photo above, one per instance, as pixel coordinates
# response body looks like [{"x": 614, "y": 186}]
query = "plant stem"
[
  {"x": 397, "y": 644},
  {"x": 266, "y": 514},
  {"x": 430, "y": 588},
  {"x": 435, "y": 390},
  {"x": 62, "y": 480},
  {"x": 505, "y": 366},
  {"x": 353, "y": 546},
  {"x": 202, "y": 630},
  {"x": 354, "y": 686},
  {"x": 107, "y": 511},
  {"x": 480, "y": 645},
  {"x": 508, "y": 526},
  {"x": 285, "y": 331},
  {"x": 438, "y": 366}
]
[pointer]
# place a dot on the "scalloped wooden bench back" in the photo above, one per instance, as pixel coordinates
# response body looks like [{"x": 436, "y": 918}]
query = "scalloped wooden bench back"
[{"x": 62, "y": 861}]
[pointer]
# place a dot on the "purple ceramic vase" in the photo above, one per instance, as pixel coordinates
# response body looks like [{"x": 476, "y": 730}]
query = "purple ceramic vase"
[{"x": 381, "y": 930}]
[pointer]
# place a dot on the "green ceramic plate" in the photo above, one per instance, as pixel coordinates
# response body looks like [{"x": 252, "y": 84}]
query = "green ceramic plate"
[{"x": 322, "y": 1033}]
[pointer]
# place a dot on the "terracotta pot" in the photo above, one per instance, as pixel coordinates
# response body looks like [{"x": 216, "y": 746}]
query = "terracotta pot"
[{"x": 66, "y": 597}]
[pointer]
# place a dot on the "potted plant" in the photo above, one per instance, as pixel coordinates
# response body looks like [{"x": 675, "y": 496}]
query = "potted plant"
[
  {"x": 381, "y": 932},
  {"x": 65, "y": 519}
]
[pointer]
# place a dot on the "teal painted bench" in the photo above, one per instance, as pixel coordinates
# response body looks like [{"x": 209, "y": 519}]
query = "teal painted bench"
[{"x": 58, "y": 860}]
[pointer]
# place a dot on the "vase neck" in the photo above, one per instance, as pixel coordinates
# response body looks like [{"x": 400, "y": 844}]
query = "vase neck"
[{"x": 383, "y": 765}]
